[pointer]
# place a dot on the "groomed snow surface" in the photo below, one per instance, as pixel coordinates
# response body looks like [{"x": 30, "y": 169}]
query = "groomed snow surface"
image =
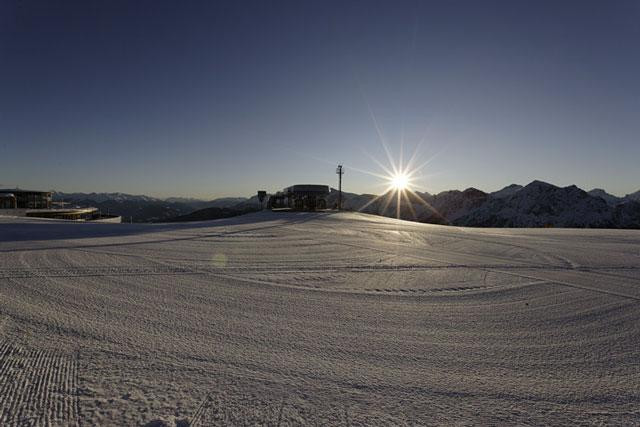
[{"x": 317, "y": 318}]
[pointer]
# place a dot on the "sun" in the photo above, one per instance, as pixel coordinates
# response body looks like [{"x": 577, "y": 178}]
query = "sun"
[{"x": 399, "y": 181}]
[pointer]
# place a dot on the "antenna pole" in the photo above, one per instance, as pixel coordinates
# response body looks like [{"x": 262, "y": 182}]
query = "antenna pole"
[{"x": 340, "y": 172}]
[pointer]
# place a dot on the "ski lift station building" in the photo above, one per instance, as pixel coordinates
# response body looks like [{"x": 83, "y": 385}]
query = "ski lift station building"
[{"x": 301, "y": 197}]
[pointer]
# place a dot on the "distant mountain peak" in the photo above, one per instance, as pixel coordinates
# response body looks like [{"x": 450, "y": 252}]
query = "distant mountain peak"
[
  {"x": 507, "y": 191},
  {"x": 539, "y": 184},
  {"x": 633, "y": 196},
  {"x": 609, "y": 198},
  {"x": 102, "y": 197}
]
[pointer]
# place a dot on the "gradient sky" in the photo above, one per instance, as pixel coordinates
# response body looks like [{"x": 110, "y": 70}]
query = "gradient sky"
[{"x": 216, "y": 98}]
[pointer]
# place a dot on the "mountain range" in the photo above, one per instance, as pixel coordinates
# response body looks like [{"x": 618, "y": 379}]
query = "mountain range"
[
  {"x": 141, "y": 208},
  {"x": 538, "y": 204}
]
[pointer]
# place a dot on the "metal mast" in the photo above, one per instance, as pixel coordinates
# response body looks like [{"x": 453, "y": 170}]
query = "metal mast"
[{"x": 340, "y": 172}]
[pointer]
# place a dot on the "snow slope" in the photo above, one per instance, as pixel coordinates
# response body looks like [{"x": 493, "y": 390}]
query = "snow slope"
[{"x": 328, "y": 318}]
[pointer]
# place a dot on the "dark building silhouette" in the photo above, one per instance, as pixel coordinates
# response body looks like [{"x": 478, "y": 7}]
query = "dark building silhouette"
[
  {"x": 301, "y": 197},
  {"x": 24, "y": 199}
]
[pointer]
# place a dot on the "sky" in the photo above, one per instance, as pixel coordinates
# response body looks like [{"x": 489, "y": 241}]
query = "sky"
[{"x": 212, "y": 98}]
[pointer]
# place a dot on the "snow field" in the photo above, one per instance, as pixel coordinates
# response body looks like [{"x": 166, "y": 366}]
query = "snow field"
[{"x": 342, "y": 319}]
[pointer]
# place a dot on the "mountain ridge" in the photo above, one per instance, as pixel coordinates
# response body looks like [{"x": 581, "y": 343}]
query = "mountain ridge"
[{"x": 537, "y": 204}]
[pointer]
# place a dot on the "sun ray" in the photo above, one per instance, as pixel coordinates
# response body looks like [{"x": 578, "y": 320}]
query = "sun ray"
[
  {"x": 390, "y": 157},
  {"x": 414, "y": 156},
  {"x": 370, "y": 202},
  {"x": 401, "y": 175},
  {"x": 424, "y": 164},
  {"x": 409, "y": 204},
  {"x": 401, "y": 158},
  {"x": 376, "y": 125},
  {"x": 379, "y": 163},
  {"x": 423, "y": 202},
  {"x": 389, "y": 194},
  {"x": 377, "y": 175}
]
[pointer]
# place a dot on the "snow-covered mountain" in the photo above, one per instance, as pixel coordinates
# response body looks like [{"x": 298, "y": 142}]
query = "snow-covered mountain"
[
  {"x": 441, "y": 208},
  {"x": 507, "y": 191},
  {"x": 627, "y": 215},
  {"x": 124, "y": 197},
  {"x": 183, "y": 200},
  {"x": 103, "y": 197},
  {"x": 448, "y": 206},
  {"x": 227, "y": 202},
  {"x": 540, "y": 204},
  {"x": 633, "y": 196},
  {"x": 609, "y": 198},
  {"x": 141, "y": 208},
  {"x": 356, "y": 202}
]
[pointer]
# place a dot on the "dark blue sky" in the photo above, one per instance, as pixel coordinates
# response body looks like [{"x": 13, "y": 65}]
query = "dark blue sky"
[{"x": 222, "y": 98}]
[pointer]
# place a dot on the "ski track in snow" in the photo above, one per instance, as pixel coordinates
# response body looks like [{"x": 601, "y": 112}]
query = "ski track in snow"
[
  {"x": 37, "y": 387},
  {"x": 323, "y": 318}
]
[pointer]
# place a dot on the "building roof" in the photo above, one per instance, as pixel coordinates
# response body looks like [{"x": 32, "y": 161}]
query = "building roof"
[{"x": 307, "y": 188}]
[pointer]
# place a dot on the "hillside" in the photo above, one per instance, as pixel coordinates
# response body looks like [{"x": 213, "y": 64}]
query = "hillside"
[{"x": 208, "y": 214}]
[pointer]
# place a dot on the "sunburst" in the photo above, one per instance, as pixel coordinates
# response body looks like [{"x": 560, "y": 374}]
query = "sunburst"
[{"x": 398, "y": 180}]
